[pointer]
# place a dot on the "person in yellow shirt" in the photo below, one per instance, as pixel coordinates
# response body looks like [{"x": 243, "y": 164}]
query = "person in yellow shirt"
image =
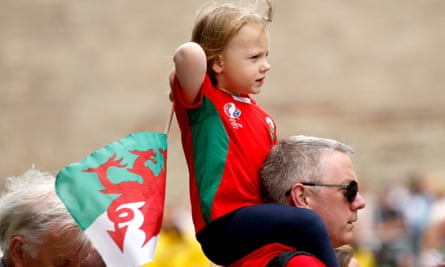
[{"x": 176, "y": 246}]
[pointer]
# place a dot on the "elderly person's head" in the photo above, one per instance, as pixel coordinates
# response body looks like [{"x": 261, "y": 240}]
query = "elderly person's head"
[
  {"x": 36, "y": 230},
  {"x": 93, "y": 260},
  {"x": 317, "y": 174}
]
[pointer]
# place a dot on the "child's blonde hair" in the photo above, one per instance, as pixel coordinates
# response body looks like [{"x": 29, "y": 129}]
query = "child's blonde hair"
[{"x": 217, "y": 23}]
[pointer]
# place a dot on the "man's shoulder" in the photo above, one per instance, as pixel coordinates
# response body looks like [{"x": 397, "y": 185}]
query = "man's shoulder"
[
  {"x": 304, "y": 260},
  {"x": 295, "y": 258},
  {"x": 289, "y": 258}
]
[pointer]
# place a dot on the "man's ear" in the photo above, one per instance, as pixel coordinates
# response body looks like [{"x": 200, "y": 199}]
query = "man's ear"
[
  {"x": 16, "y": 251},
  {"x": 298, "y": 195},
  {"x": 218, "y": 64}
]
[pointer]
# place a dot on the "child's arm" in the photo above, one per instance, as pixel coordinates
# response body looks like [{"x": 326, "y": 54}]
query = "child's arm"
[{"x": 190, "y": 67}]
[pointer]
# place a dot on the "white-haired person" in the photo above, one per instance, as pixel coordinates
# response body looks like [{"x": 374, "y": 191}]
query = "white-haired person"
[{"x": 36, "y": 230}]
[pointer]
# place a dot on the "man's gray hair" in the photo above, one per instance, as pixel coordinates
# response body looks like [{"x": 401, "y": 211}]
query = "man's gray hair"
[
  {"x": 295, "y": 159},
  {"x": 31, "y": 209}
]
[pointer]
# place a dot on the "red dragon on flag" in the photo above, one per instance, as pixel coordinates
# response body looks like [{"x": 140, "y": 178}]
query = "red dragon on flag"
[{"x": 151, "y": 188}]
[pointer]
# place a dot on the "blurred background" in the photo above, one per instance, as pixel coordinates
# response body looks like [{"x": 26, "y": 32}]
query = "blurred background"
[{"x": 77, "y": 75}]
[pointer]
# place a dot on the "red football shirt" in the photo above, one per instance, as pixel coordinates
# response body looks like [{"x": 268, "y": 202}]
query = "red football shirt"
[{"x": 225, "y": 139}]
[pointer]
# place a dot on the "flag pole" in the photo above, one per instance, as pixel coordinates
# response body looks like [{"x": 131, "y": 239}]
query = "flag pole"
[{"x": 169, "y": 122}]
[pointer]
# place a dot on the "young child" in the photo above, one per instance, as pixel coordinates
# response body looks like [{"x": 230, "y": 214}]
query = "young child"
[{"x": 226, "y": 136}]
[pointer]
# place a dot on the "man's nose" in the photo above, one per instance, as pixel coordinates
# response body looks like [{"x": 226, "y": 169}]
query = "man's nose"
[{"x": 359, "y": 202}]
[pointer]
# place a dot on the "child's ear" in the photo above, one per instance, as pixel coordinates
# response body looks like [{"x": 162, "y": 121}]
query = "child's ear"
[{"x": 218, "y": 64}]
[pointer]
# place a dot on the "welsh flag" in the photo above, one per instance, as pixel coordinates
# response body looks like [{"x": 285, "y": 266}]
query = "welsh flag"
[{"x": 117, "y": 194}]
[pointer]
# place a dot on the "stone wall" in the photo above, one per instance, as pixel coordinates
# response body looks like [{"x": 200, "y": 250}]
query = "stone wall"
[{"x": 77, "y": 75}]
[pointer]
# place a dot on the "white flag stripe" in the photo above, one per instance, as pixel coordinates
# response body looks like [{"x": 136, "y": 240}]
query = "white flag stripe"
[{"x": 134, "y": 254}]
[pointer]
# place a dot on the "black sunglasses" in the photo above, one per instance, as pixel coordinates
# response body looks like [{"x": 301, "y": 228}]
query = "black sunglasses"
[{"x": 351, "y": 189}]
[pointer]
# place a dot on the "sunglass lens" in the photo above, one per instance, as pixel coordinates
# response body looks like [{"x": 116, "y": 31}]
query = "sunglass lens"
[{"x": 351, "y": 191}]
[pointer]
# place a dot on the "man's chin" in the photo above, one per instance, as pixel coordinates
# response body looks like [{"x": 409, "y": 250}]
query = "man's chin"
[{"x": 345, "y": 240}]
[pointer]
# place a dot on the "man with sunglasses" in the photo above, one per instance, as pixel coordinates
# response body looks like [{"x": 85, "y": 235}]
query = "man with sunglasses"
[{"x": 312, "y": 173}]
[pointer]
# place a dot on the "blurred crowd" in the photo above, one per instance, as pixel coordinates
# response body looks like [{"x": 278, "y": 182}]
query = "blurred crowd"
[
  {"x": 403, "y": 225},
  {"x": 177, "y": 245}
]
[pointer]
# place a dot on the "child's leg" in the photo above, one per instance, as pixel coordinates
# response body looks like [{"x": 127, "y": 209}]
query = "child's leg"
[{"x": 235, "y": 235}]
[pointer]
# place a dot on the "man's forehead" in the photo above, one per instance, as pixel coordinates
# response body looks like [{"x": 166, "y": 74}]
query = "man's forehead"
[{"x": 337, "y": 167}]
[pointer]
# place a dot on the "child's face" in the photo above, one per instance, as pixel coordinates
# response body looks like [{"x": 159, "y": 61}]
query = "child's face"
[{"x": 241, "y": 67}]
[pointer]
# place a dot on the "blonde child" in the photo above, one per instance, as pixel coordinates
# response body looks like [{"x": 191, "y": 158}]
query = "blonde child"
[{"x": 226, "y": 136}]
